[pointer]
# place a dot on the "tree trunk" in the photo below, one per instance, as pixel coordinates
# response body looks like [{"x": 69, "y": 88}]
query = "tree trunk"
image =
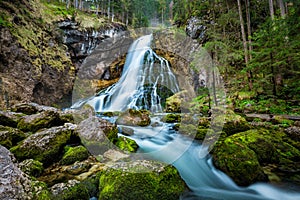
[
  {"x": 249, "y": 27},
  {"x": 244, "y": 43},
  {"x": 271, "y": 7},
  {"x": 282, "y": 8}
]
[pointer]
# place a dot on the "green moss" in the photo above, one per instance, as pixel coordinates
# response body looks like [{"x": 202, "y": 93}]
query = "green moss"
[
  {"x": 171, "y": 118},
  {"x": 73, "y": 154},
  {"x": 9, "y": 137},
  {"x": 32, "y": 167},
  {"x": 37, "y": 121},
  {"x": 119, "y": 184},
  {"x": 238, "y": 161},
  {"x": 47, "y": 154},
  {"x": 232, "y": 123},
  {"x": 126, "y": 144}
]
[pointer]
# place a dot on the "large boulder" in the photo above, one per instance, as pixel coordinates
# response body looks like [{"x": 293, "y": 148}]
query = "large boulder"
[
  {"x": 140, "y": 179},
  {"x": 45, "y": 146},
  {"x": 238, "y": 161},
  {"x": 133, "y": 117},
  {"x": 9, "y": 118},
  {"x": 33, "y": 123},
  {"x": 97, "y": 134}
]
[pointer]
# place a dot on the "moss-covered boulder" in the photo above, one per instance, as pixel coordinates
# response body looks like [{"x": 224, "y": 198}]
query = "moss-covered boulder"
[
  {"x": 171, "y": 118},
  {"x": 70, "y": 190},
  {"x": 9, "y": 137},
  {"x": 232, "y": 123},
  {"x": 238, "y": 161},
  {"x": 97, "y": 135},
  {"x": 33, "y": 123},
  {"x": 9, "y": 118},
  {"x": 178, "y": 102},
  {"x": 31, "y": 167},
  {"x": 133, "y": 117},
  {"x": 45, "y": 146},
  {"x": 73, "y": 154},
  {"x": 144, "y": 180},
  {"x": 126, "y": 144}
]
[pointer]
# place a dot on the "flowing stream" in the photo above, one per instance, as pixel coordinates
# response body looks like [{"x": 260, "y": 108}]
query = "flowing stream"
[{"x": 144, "y": 74}]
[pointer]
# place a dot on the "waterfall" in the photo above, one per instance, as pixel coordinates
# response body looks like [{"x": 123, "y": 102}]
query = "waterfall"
[{"x": 143, "y": 73}]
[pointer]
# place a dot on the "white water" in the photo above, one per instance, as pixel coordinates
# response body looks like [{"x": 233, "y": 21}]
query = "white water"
[
  {"x": 162, "y": 142},
  {"x": 142, "y": 68}
]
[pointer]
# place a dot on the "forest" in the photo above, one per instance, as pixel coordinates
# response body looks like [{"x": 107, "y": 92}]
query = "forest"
[{"x": 255, "y": 44}]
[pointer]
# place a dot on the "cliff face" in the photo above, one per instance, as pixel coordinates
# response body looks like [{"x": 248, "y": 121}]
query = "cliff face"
[{"x": 41, "y": 49}]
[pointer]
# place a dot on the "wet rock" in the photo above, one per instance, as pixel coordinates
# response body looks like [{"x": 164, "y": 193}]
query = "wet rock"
[
  {"x": 9, "y": 136},
  {"x": 127, "y": 131},
  {"x": 177, "y": 102},
  {"x": 45, "y": 146},
  {"x": 142, "y": 179},
  {"x": 133, "y": 117}
]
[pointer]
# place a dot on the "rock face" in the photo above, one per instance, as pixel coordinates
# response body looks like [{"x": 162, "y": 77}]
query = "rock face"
[
  {"x": 133, "y": 117},
  {"x": 195, "y": 28},
  {"x": 80, "y": 42},
  {"x": 14, "y": 184}
]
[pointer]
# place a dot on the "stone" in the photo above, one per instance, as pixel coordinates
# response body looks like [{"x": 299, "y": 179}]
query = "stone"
[
  {"x": 31, "y": 167},
  {"x": 9, "y": 136},
  {"x": 73, "y": 154},
  {"x": 293, "y": 132},
  {"x": 45, "y": 146},
  {"x": 14, "y": 184},
  {"x": 126, "y": 144},
  {"x": 114, "y": 155},
  {"x": 97, "y": 135},
  {"x": 33, "y": 123},
  {"x": 141, "y": 178},
  {"x": 133, "y": 117},
  {"x": 9, "y": 118},
  {"x": 195, "y": 28}
]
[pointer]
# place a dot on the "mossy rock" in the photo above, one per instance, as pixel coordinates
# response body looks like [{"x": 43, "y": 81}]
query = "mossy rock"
[
  {"x": 171, "y": 118},
  {"x": 126, "y": 144},
  {"x": 162, "y": 182},
  {"x": 45, "y": 146},
  {"x": 73, "y": 154},
  {"x": 10, "y": 119},
  {"x": 32, "y": 167},
  {"x": 98, "y": 135},
  {"x": 71, "y": 190},
  {"x": 40, "y": 191},
  {"x": 238, "y": 161},
  {"x": 9, "y": 137},
  {"x": 232, "y": 123},
  {"x": 33, "y": 123},
  {"x": 133, "y": 117}
]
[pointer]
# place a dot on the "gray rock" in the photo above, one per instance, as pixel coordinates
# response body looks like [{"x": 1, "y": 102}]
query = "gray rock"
[
  {"x": 293, "y": 132},
  {"x": 10, "y": 136},
  {"x": 195, "y": 28},
  {"x": 14, "y": 184}
]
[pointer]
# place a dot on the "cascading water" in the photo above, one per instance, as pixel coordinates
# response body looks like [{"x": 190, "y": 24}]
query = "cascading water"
[
  {"x": 143, "y": 72},
  {"x": 137, "y": 88}
]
